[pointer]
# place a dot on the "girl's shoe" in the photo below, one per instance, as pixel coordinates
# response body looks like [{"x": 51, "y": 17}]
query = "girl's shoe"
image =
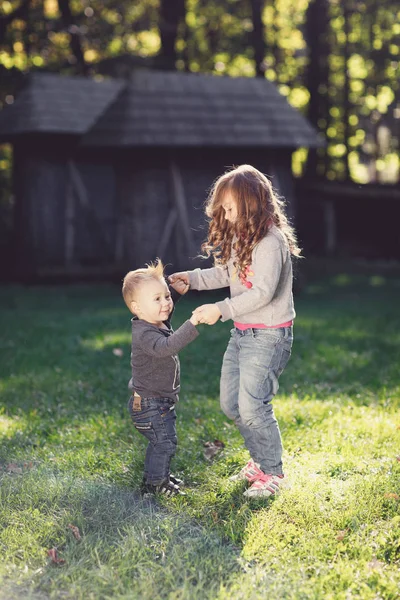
[
  {"x": 265, "y": 486},
  {"x": 249, "y": 472}
]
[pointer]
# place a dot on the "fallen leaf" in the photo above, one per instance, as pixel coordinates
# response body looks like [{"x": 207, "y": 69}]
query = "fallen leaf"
[
  {"x": 54, "y": 557},
  {"x": 342, "y": 534},
  {"x": 13, "y": 468},
  {"x": 118, "y": 352},
  {"x": 392, "y": 495},
  {"x": 212, "y": 448},
  {"x": 376, "y": 564},
  {"x": 75, "y": 531}
]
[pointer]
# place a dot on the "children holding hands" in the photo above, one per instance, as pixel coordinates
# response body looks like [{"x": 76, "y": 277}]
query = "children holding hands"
[{"x": 252, "y": 244}]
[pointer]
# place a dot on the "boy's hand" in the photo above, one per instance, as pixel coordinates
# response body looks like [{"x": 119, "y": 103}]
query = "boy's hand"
[
  {"x": 194, "y": 320},
  {"x": 179, "y": 286},
  {"x": 207, "y": 313}
]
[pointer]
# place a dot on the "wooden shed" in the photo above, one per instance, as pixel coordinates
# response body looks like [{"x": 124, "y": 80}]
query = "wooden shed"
[{"x": 109, "y": 174}]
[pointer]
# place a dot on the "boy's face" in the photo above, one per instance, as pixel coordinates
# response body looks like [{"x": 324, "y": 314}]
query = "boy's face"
[{"x": 153, "y": 302}]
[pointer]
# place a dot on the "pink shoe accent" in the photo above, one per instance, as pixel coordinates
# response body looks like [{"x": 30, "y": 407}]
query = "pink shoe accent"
[
  {"x": 265, "y": 486},
  {"x": 251, "y": 472}
]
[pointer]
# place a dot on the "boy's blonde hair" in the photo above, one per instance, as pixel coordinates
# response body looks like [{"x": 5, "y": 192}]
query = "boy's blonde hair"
[{"x": 134, "y": 279}]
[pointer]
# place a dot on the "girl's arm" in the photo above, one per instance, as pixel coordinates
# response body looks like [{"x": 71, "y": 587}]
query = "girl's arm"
[
  {"x": 203, "y": 279},
  {"x": 209, "y": 279}
]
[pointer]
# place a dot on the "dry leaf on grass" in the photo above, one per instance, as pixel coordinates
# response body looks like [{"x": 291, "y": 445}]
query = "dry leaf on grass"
[
  {"x": 376, "y": 564},
  {"x": 75, "y": 531},
  {"x": 13, "y": 468},
  {"x": 342, "y": 534},
  {"x": 392, "y": 496},
  {"x": 212, "y": 448},
  {"x": 54, "y": 557}
]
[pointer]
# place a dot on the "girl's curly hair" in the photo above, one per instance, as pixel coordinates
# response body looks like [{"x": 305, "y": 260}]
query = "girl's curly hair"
[{"x": 258, "y": 208}]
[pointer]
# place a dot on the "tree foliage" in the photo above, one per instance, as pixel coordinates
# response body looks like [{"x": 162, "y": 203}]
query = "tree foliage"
[{"x": 337, "y": 61}]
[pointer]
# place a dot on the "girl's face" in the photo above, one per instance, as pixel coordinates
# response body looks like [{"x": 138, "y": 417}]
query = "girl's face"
[{"x": 229, "y": 205}]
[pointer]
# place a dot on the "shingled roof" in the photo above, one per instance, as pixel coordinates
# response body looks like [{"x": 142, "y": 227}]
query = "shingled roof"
[
  {"x": 159, "y": 108},
  {"x": 53, "y": 104}
]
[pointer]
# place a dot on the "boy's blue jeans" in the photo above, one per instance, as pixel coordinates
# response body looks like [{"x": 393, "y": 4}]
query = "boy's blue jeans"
[
  {"x": 156, "y": 421},
  {"x": 252, "y": 364}
]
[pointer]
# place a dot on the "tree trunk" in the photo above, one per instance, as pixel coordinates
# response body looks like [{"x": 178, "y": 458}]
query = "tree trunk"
[
  {"x": 171, "y": 14},
  {"x": 258, "y": 36},
  {"x": 75, "y": 39},
  {"x": 317, "y": 76},
  {"x": 346, "y": 88}
]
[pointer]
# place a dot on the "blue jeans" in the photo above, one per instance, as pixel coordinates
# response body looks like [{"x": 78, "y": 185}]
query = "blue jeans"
[
  {"x": 252, "y": 364},
  {"x": 156, "y": 421}
]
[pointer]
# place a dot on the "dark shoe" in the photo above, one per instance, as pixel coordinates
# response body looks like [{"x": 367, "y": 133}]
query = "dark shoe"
[
  {"x": 172, "y": 478},
  {"x": 176, "y": 480},
  {"x": 168, "y": 488}
]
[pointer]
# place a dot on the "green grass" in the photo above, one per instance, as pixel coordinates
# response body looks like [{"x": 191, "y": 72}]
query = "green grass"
[{"x": 69, "y": 455}]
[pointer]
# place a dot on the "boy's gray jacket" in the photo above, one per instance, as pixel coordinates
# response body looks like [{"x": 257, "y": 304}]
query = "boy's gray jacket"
[
  {"x": 154, "y": 359},
  {"x": 265, "y": 296}
]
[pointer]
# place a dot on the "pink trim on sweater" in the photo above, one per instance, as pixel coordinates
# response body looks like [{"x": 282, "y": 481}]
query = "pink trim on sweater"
[{"x": 243, "y": 326}]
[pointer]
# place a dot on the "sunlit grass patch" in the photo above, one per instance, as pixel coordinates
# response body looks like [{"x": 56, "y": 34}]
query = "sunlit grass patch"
[{"x": 69, "y": 456}]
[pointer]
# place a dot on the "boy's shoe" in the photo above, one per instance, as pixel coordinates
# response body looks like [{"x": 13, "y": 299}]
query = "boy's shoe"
[
  {"x": 168, "y": 488},
  {"x": 172, "y": 478},
  {"x": 265, "y": 486},
  {"x": 249, "y": 472},
  {"x": 176, "y": 480}
]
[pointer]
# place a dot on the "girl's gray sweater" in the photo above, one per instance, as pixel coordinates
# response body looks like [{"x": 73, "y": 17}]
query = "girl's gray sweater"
[{"x": 265, "y": 296}]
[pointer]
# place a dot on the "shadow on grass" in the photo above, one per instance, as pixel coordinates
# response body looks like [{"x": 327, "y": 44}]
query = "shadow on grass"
[{"x": 129, "y": 547}]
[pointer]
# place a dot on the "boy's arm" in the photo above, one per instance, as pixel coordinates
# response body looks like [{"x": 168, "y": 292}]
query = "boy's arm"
[{"x": 155, "y": 343}]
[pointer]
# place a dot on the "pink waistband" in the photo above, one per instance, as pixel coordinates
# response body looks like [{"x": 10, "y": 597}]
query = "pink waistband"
[{"x": 243, "y": 326}]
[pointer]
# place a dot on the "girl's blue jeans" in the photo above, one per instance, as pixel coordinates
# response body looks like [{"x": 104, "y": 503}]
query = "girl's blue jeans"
[
  {"x": 252, "y": 364},
  {"x": 156, "y": 422}
]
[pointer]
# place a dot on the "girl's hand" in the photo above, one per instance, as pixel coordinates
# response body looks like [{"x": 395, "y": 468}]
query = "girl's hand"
[
  {"x": 180, "y": 286},
  {"x": 194, "y": 320},
  {"x": 207, "y": 313},
  {"x": 182, "y": 276}
]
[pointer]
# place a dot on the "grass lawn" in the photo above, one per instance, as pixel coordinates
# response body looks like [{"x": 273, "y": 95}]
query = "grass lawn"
[{"x": 69, "y": 456}]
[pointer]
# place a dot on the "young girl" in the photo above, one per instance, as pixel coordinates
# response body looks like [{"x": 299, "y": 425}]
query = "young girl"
[{"x": 251, "y": 242}]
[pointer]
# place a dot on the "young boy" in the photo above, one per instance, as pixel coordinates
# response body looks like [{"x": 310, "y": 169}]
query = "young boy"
[{"x": 155, "y": 365}]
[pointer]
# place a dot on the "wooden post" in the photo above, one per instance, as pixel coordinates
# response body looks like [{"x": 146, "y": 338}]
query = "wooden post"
[
  {"x": 83, "y": 199},
  {"x": 181, "y": 207},
  {"x": 69, "y": 221},
  {"x": 330, "y": 227},
  {"x": 167, "y": 233}
]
